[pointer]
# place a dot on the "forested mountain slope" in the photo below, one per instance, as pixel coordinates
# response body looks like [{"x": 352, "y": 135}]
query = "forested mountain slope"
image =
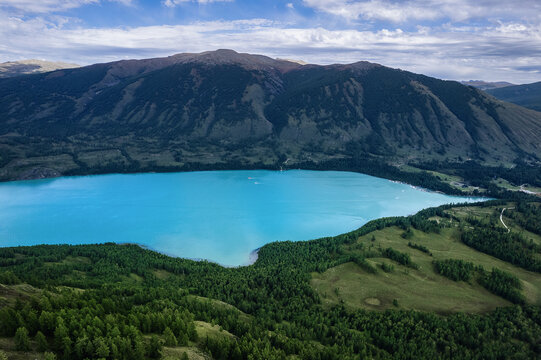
[
  {"x": 224, "y": 109},
  {"x": 527, "y": 95}
]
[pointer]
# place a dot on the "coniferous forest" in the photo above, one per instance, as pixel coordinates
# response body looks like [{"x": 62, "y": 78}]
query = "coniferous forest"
[{"x": 112, "y": 301}]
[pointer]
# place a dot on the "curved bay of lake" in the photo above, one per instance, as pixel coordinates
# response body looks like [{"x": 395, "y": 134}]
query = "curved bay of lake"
[{"x": 221, "y": 216}]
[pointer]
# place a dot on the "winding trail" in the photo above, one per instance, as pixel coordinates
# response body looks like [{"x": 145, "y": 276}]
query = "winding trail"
[{"x": 501, "y": 219}]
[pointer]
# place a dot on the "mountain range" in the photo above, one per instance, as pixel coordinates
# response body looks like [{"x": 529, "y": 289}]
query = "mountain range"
[
  {"x": 32, "y": 66},
  {"x": 223, "y": 108},
  {"x": 527, "y": 95},
  {"x": 486, "y": 85}
]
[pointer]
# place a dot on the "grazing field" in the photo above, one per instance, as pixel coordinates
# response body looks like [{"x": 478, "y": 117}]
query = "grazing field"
[{"x": 422, "y": 289}]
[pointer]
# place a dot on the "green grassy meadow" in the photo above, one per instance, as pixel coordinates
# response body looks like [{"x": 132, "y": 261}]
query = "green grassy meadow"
[{"x": 421, "y": 289}]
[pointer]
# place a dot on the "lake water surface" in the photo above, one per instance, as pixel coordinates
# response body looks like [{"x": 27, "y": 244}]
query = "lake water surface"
[{"x": 221, "y": 216}]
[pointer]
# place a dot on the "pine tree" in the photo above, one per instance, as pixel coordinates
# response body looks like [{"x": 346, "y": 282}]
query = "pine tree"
[
  {"x": 138, "y": 349},
  {"x": 183, "y": 340},
  {"x": 154, "y": 349},
  {"x": 41, "y": 340},
  {"x": 22, "y": 342},
  {"x": 236, "y": 353},
  {"x": 169, "y": 337},
  {"x": 80, "y": 345},
  {"x": 192, "y": 333},
  {"x": 66, "y": 347},
  {"x": 60, "y": 333},
  {"x": 100, "y": 348},
  {"x": 8, "y": 322},
  {"x": 89, "y": 348}
]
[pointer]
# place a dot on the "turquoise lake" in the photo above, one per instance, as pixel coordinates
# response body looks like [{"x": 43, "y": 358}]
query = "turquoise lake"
[{"x": 222, "y": 216}]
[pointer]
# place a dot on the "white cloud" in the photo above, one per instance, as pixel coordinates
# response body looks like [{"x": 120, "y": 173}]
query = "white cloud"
[
  {"x": 50, "y": 6},
  {"x": 400, "y": 11},
  {"x": 290, "y": 6},
  {"x": 173, "y": 3},
  {"x": 374, "y": 9},
  {"x": 501, "y": 50}
]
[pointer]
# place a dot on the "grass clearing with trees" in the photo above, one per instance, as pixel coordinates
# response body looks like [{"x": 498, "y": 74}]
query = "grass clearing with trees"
[{"x": 422, "y": 289}]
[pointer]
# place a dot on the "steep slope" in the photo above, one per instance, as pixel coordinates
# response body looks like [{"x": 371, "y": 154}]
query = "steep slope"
[
  {"x": 527, "y": 95},
  {"x": 389, "y": 111},
  {"x": 23, "y": 67},
  {"x": 224, "y": 109}
]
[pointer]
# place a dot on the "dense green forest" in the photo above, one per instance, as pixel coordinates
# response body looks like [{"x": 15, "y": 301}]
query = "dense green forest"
[{"x": 123, "y": 302}]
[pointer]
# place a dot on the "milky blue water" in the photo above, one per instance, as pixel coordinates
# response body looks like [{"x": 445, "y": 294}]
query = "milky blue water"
[{"x": 221, "y": 216}]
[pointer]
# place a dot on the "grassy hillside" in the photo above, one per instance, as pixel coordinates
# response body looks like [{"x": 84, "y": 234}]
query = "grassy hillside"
[
  {"x": 320, "y": 299},
  {"x": 423, "y": 288}
]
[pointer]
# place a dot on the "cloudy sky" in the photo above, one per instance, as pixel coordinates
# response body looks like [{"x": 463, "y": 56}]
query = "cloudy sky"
[{"x": 451, "y": 39}]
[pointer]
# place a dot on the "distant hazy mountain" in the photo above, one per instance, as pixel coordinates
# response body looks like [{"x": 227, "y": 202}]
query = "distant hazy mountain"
[
  {"x": 527, "y": 95},
  {"x": 485, "y": 85},
  {"x": 222, "y": 108},
  {"x": 15, "y": 68}
]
